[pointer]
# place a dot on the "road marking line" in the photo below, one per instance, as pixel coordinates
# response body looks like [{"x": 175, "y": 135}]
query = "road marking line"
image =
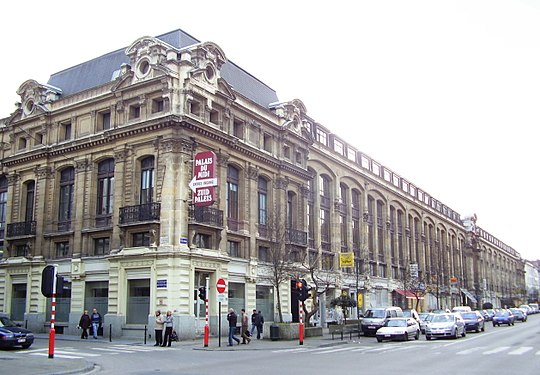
[
  {"x": 361, "y": 348},
  {"x": 332, "y": 351},
  {"x": 468, "y": 351},
  {"x": 114, "y": 350},
  {"x": 497, "y": 350},
  {"x": 289, "y": 350},
  {"x": 521, "y": 350}
]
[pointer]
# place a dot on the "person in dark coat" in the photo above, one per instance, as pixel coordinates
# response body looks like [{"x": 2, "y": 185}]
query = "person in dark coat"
[
  {"x": 96, "y": 322},
  {"x": 84, "y": 323},
  {"x": 232, "y": 319},
  {"x": 259, "y": 321}
]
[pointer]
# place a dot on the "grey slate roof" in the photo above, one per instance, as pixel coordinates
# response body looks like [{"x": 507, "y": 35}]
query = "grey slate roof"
[{"x": 100, "y": 70}]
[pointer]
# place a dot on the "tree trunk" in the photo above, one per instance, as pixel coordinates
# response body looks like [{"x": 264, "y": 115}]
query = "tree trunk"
[{"x": 280, "y": 313}]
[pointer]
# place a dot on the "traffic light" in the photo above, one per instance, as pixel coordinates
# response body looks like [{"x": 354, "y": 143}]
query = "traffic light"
[
  {"x": 47, "y": 281},
  {"x": 302, "y": 287},
  {"x": 202, "y": 293}
]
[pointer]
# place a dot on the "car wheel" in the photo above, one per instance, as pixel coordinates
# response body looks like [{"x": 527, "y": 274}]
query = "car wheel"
[
  {"x": 379, "y": 339},
  {"x": 483, "y": 328},
  {"x": 455, "y": 333},
  {"x": 428, "y": 337},
  {"x": 464, "y": 333},
  {"x": 417, "y": 336}
]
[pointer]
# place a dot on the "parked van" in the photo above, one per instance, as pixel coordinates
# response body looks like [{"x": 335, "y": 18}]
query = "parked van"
[
  {"x": 461, "y": 309},
  {"x": 376, "y": 317}
]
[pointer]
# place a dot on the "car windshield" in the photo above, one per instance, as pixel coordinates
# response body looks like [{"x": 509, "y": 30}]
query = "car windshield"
[
  {"x": 441, "y": 319},
  {"x": 501, "y": 313},
  {"x": 423, "y": 316},
  {"x": 397, "y": 323},
  {"x": 375, "y": 314},
  {"x": 468, "y": 315},
  {"x": 6, "y": 322}
]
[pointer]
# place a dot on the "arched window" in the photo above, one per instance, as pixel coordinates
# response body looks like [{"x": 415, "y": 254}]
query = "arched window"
[{"x": 147, "y": 180}]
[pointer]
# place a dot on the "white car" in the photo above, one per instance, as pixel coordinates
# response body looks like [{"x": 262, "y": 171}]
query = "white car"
[
  {"x": 399, "y": 329},
  {"x": 446, "y": 325}
]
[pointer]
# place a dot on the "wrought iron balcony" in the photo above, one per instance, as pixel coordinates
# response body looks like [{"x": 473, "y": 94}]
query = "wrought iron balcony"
[
  {"x": 23, "y": 228},
  {"x": 140, "y": 213},
  {"x": 296, "y": 237},
  {"x": 206, "y": 215}
]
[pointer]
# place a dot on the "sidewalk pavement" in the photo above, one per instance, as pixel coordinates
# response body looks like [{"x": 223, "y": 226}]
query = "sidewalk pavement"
[{"x": 42, "y": 365}]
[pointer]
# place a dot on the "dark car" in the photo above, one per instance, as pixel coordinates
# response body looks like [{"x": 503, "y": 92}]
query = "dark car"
[
  {"x": 474, "y": 321},
  {"x": 12, "y": 334},
  {"x": 519, "y": 314},
  {"x": 503, "y": 317}
]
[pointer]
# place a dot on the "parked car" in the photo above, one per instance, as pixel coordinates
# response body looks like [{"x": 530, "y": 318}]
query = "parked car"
[
  {"x": 445, "y": 325},
  {"x": 423, "y": 320},
  {"x": 528, "y": 309},
  {"x": 474, "y": 321},
  {"x": 460, "y": 309},
  {"x": 534, "y": 307},
  {"x": 503, "y": 316},
  {"x": 11, "y": 334},
  {"x": 519, "y": 314},
  {"x": 400, "y": 329},
  {"x": 411, "y": 313},
  {"x": 376, "y": 317},
  {"x": 490, "y": 313}
]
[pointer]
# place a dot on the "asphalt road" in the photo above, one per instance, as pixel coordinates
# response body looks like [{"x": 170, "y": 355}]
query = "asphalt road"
[{"x": 497, "y": 351}]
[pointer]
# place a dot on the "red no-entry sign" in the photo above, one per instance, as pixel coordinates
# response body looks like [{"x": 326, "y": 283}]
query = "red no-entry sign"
[{"x": 220, "y": 286}]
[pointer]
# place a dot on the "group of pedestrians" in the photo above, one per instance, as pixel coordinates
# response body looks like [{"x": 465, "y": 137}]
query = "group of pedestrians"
[
  {"x": 257, "y": 321},
  {"x": 164, "y": 339},
  {"x": 94, "y": 321}
]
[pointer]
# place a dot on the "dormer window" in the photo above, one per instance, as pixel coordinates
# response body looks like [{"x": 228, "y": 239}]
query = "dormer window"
[
  {"x": 158, "y": 105},
  {"x": 134, "y": 112},
  {"x": 22, "y": 143}
]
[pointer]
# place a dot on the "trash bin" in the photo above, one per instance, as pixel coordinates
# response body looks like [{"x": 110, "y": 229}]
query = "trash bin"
[{"x": 274, "y": 332}]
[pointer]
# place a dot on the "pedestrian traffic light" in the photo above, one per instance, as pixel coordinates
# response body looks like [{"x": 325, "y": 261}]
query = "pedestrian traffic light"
[
  {"x": 202, "y": 293},
  {"x": 60, "y": 286}
]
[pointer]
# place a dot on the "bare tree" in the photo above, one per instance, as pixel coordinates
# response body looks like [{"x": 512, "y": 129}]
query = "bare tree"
[
  {"x": 322, "y": 281},
  {"x": 280, "y": 255}
]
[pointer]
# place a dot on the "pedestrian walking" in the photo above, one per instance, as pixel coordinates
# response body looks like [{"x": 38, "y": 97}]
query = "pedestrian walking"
[
  {"x": 232, "y": 319},
  {"x": 260, "y": 324},
  {"x": 253, "y": 322},
  {"x": 160, "y": 321},
  {"x": 97, "y": 321},
  {"x": 168, "y": 329},
  {"x": 84, "y": 323},
  {"x": 245, "y": 328}
]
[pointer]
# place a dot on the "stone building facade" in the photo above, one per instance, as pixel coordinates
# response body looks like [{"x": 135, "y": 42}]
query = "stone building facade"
[{"x": 96, "y": 172}]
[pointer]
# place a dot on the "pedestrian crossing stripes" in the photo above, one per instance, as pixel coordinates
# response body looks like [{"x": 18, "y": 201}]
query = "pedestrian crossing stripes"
[
  {"x": 505, "y": 350},
  {"x": 89, "y": 352}
]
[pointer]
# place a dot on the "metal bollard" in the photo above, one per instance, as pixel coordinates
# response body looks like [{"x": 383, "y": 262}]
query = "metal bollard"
[
  {"x": 110, "y": 332},
  {"x": 145, "y": 331}
]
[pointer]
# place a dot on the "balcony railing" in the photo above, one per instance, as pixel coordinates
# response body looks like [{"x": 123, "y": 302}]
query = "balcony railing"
[
  {"x": 140, "y": 213},
  {"x": 206, "y": 215},
  {"x": 23, "y": 228},
  {"x": 296, "y": 237}
]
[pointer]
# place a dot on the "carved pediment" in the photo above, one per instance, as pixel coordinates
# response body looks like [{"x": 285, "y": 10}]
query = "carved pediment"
[{"x": 36, "y": 97}]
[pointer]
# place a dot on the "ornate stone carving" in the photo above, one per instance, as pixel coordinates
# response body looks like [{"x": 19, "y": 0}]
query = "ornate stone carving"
[
  {"x": 281, "y": 183},
  {"x": 253, "y": 172},
  {"x": 44, "y": 172}
]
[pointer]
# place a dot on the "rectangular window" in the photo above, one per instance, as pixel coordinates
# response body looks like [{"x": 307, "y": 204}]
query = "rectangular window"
[
  {"x": 351, "y": 154},
  {"x": 338, "y": 147},
  {"x": 264, "y": 254},
  {"x": 321, "y": 137},
  {"x": 101, "y": 246},
  {"x": 66, "y": 131},
  {"x": 134, "y": 112},
  {"x": 287, "y": 152},
  {"x": 238, "y": 129},
  {"x": 267, "y": 142},
  {"x": 214, "y": 117},
  {"x": 233, "y": 249},
  {"x": 141, "y": 239},
  {"x": 22, "y": 143},
  {"x": 158, "y": 105},
  {"x": 62, "y": 249},
  {"x": 202, "y": 241},
  {"x": 38, "y": 139},
  {"x": 104, "y": 121}
]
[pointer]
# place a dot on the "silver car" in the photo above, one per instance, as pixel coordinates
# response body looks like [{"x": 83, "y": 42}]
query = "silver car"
[{"x": 445, "y": 325}]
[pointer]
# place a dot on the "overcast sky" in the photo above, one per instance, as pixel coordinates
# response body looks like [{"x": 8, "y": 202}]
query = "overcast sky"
[{"x": 444, "y": 93}]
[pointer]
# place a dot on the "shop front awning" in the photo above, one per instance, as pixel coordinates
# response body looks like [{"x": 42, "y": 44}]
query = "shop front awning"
[
  {"x": 407, "y": 293},
  {"x": 469, "y": 295}
]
